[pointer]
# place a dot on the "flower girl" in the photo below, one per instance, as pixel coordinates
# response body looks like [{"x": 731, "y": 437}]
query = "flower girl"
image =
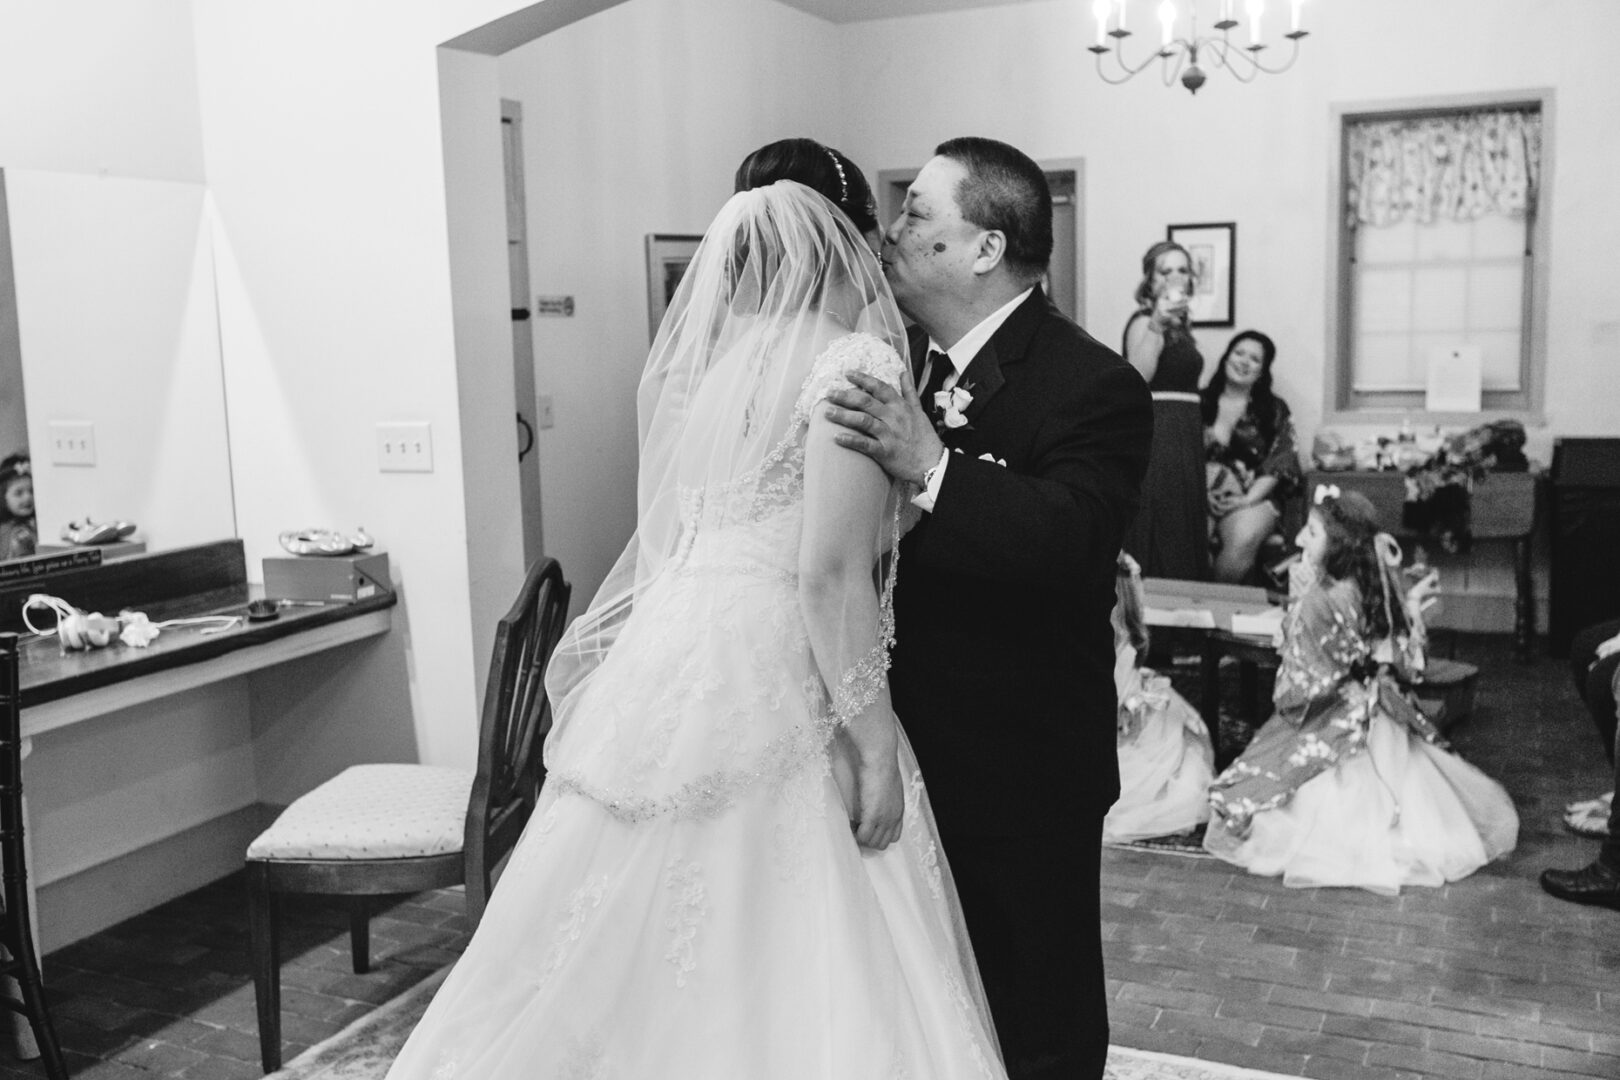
[
  {"x": 1165, "y": 757},
  {"x": 1349, "y": 783}
]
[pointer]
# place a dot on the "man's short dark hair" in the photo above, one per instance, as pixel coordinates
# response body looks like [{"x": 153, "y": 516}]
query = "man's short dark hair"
[{"x": 1006, "y": 191}]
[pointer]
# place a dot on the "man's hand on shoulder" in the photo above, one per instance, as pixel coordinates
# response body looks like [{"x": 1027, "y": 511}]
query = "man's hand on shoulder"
[{"x": 887, "y": 425}]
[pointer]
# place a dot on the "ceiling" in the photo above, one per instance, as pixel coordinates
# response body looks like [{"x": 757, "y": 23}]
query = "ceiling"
[{"x": 847, "y": 11}]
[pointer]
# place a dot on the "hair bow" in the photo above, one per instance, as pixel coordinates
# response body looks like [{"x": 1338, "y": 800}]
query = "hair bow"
[{"x": 1324, "y": 492}]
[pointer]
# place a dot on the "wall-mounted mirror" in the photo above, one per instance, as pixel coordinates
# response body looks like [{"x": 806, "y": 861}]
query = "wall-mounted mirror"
[{"x": 117, "y": 333}]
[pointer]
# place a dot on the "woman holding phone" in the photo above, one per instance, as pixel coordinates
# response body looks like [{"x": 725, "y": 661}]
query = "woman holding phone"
[{"x": 1170, "y": 537}]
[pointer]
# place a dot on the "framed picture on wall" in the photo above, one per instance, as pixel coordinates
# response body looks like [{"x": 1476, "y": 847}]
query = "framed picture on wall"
[
  {"x": 667, "y": 256},
  {"x": 1213, "y": 247}
]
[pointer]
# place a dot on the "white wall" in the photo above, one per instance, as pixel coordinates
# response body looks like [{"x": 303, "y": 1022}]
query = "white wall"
[
  {"x": 323, "y": 155},
  {"x": 1258, "y": 154},
  {"x": 102, "y": 87},
  {"x": 634, "y": 122}
]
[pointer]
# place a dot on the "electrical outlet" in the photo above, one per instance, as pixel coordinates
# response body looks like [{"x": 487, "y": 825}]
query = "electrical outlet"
[
  {"x": 73, "y": 442},
  {"x": 544, "y": 417},
  {"x": 405, "y": 447}
]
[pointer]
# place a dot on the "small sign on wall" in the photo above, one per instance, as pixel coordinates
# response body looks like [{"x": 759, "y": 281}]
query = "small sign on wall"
[
  {"x": 561, "y": 307},
  {"x": 1455, "y": 381}
]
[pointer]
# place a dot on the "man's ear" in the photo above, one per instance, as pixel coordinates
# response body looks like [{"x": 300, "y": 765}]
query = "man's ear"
[{"x": 992, "y": 248}]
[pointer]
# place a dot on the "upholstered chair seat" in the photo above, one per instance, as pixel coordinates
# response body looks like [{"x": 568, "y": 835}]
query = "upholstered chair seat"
[{"x": 373, "y": 812}]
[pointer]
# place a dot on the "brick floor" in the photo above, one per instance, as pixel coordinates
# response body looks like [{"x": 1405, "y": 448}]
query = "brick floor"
[
  {"x": 1482, "y": 979},
  {"x": 170, "y": 994},
  {"x": 1486, "y": 979}
]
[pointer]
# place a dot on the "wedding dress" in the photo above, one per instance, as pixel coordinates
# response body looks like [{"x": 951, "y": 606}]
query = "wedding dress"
[{"x": 688, "y": 900}]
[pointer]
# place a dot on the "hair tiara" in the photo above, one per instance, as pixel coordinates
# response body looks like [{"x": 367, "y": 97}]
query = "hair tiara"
[{"x": 843, "y": 181}]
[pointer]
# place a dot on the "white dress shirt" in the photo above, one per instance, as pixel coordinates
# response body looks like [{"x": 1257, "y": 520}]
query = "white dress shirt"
[{"x": 961, "y": 354}]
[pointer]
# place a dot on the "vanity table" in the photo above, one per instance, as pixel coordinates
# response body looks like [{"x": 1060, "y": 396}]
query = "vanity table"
[
  {"x": 145, "y": 775},
  {"x": 60, "y": 688}
]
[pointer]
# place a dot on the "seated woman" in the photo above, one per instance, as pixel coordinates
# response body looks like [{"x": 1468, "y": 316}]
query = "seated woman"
[
  {"x": 1349, "y": 783},
  {"x": 1165, "y": 756},
  {"x": 1251, "y": 456}
]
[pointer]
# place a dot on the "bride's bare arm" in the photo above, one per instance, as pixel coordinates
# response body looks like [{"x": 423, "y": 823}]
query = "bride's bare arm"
[{"x": 845, "y": 493}]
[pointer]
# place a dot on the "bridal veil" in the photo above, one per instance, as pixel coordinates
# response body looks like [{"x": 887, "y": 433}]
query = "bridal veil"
[{"x": 780, "y": 275}]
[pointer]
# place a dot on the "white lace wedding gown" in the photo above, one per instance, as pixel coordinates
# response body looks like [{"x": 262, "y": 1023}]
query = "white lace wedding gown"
[{"x": 688, "y": 900}]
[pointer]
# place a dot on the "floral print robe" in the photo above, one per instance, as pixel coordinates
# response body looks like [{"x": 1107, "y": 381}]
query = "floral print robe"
[
  {"x": 1247, "y": 453},
  {"x": 1330, "y": 682}
]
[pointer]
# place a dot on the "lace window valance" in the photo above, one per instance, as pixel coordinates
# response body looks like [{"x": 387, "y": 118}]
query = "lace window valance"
[{"x": 1459, "y": 166}]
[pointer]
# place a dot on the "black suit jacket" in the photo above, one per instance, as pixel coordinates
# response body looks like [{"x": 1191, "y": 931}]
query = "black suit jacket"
[{"x": 1002, "y": 670}]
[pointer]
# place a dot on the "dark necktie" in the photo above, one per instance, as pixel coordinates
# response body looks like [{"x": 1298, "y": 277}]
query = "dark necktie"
[{"x": 939, "y": 368}]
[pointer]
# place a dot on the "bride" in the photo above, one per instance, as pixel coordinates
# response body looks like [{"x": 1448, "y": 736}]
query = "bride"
[{"x": 733, "y": 870}]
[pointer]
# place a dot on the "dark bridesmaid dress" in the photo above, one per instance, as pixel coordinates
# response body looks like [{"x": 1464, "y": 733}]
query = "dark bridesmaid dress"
[{"x": 1170, "y": 536}]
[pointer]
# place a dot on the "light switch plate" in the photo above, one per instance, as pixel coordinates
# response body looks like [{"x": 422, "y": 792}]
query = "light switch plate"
[
  {"x": 73, "y": 442},
  {"x": 405, "y": 447}
]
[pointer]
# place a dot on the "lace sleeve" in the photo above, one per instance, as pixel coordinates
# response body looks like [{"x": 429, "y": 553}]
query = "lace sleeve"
[{"x": 852, "y": 352}]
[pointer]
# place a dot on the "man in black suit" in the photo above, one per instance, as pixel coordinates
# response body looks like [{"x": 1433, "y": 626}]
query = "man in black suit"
[{"x": 1030, "y": 456}]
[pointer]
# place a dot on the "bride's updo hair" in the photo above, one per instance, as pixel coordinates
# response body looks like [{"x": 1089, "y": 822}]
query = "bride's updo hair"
[{"x": 819, "y": 168}]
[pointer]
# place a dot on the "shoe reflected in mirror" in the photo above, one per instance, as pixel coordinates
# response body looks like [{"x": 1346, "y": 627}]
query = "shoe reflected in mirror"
[{"x": 88, "y": 532}]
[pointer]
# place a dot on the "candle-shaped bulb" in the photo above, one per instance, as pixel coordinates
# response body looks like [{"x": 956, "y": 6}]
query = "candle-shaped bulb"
[
  {"x": 1294, "y": 15},
  {"x": 1167, "y": 21},
  {"x": 1100, "y": 9},
  {"x": 1120, "y": 22},
  {"x": 1255, "y": 8}
]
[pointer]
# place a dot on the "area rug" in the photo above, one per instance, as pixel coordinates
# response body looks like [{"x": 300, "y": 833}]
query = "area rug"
[
  {"x": 364, "y": 1049},
  {"x": 1190, "y": 844}
]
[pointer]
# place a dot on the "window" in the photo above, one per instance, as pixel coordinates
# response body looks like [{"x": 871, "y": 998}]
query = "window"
[{"x": 1441, "y": 244}]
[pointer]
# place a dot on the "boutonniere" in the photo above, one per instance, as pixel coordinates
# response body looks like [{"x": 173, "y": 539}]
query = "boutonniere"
[{"x": 951, "y": 405}]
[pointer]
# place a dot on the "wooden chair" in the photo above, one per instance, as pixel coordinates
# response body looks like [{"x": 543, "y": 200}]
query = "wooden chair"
[
  {"x": 377, "y": 830},
  {"x": 20, "y": 965}
]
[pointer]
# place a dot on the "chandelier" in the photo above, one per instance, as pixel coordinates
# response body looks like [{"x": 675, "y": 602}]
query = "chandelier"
[{"x": 1180, "y": 55}]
